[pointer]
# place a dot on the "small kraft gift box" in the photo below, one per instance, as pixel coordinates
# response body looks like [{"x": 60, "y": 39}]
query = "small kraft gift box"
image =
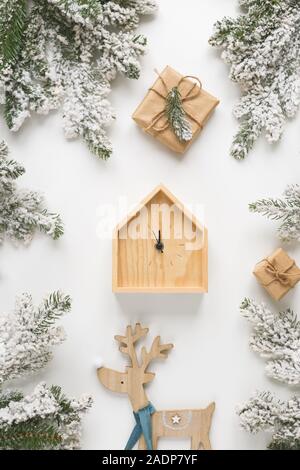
[
  {"x": 175, "y": 109},
  {"x": 278, "y": 273}
]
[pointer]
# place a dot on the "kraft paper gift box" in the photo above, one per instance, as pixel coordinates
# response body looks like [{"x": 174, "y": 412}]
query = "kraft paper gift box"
[
  {"x": 277, "y": 273},
  {"x": 197, "y": 104}
]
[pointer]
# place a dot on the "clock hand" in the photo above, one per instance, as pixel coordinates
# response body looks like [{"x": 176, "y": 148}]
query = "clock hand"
[
  {"x": 159, "y": 244},
  {"x": 155, "y": 236}
]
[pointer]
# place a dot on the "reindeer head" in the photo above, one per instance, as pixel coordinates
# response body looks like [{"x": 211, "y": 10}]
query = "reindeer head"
[{"x": 134, "y": 378}]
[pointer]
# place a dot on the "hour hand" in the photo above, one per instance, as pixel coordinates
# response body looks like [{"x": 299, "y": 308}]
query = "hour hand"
[{"x": 159, "y": 244}]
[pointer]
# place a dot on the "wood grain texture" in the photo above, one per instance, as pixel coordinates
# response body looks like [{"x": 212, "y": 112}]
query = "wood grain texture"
[
  {"x": 193, "y": 424},
  {"x": 139, "y": 267}
]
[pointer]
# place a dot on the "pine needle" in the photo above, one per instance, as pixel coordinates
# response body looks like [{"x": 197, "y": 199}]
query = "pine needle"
[{"x": 177, "y": 117}]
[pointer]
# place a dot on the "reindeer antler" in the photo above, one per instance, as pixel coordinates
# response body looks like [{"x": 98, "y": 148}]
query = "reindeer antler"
[
  {"x": 157, "y": 351},
  {"x": 127, "y": 342}
]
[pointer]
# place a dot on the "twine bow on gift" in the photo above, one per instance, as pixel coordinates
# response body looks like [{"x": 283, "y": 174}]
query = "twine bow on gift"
[
  {"x": 280, "y": 275},
  {"x": 174, "y": 112}
]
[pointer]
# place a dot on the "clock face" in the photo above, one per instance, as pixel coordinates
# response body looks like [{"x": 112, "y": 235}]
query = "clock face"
[{"x": 161, "y": 249}]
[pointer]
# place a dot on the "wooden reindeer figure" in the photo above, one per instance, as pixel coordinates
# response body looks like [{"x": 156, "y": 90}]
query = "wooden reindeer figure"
[{"x": 152, "y": 424}]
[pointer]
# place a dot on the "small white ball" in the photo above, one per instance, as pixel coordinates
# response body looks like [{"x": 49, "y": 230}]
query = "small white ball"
[{"x": 98, "y": 362}]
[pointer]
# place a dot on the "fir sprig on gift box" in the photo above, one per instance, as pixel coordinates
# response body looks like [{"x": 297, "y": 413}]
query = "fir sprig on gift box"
[
  {"x": 65, "y": 53},
  {"x": 262, "y": 47},
  {"x": 45, "y": 418},
  {"x": 176, "y": 115},
  {"x": 286, "y": 210},
  {"x": 22, "y": 212}
]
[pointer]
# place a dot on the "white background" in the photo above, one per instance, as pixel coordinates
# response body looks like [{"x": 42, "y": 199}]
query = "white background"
[{"x": 211, "y": 359}]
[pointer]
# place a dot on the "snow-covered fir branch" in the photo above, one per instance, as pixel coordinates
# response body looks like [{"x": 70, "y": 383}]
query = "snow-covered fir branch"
[
  {"x": 262, "y": 47},
  {"x": 22, "y": 212},
  {"x": 65, "y": 53},
  {"x": 276, "y": 338},
  {"x": 28, "y": 334},
  {"x": 287, "y": 210},
  {"x": 263, "y": 412},
  {"x": 46, "y": 418}
]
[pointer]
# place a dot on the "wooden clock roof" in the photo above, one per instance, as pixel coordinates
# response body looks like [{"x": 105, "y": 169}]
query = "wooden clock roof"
[{"x": 171, "y": 197}]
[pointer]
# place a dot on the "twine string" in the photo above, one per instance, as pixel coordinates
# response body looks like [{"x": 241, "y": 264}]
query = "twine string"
[{"x": 280, "y": 275}]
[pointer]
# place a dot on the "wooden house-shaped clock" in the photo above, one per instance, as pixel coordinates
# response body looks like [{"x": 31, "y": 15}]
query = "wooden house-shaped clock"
[{"x": 160, "y": 248}]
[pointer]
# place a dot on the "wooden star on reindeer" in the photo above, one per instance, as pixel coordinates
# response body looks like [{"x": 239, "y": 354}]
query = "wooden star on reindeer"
[
  {"x": 152, "y": 424},
  {"x": 176, "y": 419}
]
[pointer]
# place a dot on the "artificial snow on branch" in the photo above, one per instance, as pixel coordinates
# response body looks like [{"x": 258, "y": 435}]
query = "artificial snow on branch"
[
  {"x": 286, "y": 210},
  {"x": 22, "y": 212},
  {"x": 262, "y": 47},
  {"x": 28, "y": 333},
  {"x": 276, "y": 338},
  {"x": 65, "y": 53},
  {"x": 263, "y": 412},
  {"x": 44, "y": 419}
]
